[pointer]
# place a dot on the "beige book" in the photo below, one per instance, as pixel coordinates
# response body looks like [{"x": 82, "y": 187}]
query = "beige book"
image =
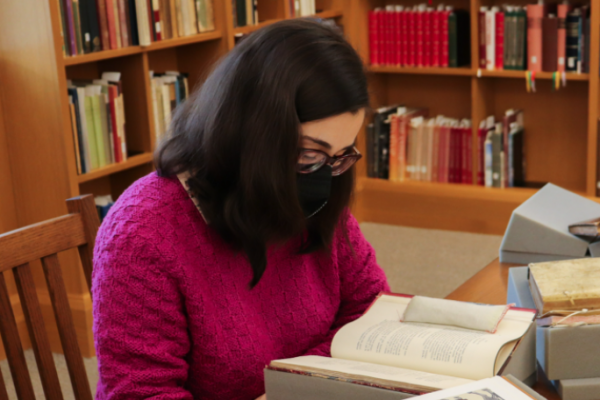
[
  {"x": 193, "y": 17},
  {"x": 565, "y": 285},
  {"x": 423, "y": 356},
  {"x": 173, "y": 16},
  {"x": 180, "y": 19}
]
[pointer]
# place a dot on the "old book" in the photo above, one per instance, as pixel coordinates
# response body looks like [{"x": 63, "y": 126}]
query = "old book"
[
  {"x": 144, "y": 31},
  {"x": 535, "y": 13},
  {"x": 565, "y": 285},
  {"x": 562, "y": 11},
  {"x": 573, "y": 34},
  {"x": 550, "y": 43},
  {"x": 379, "y": 350},
  {"x": 566, "y": 320},
  {"x": 490, "y": 38},
  {"x": 590, "y": 229}
]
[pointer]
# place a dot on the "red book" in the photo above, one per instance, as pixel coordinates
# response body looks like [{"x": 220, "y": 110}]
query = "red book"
[
  {"x": 151, "y": 21},
  {"x": 404, "y": 30},
  {"x": 412, "y": 38},
  {"x": 445, "y": 41},
  {"x": 444, "y": 154},
  {"x": 112, "y": 95},
  {"x": 419, "y": 26},
  {"x": 157, "y": 21},
  {"x": 482, "y": 46},
  {"x": 481, "y": 134},
  {"x": 374, "y": 37},
  {"x": 467, "y": 155},
  {"x": 535, "y": 13},
  {"x": 110, "y": 18},
  {"x": 124, "y": 21},
  {"x": 500, "y": 40},
  {"x": 104, "y": 35},
  {"x": 398, "y": 35},
  {"x": 436, "y": 21},
  {"x": 427, "y": 40},
  {"x": 382, "y": 36}
]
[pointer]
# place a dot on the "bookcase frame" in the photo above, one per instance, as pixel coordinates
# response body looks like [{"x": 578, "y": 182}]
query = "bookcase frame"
[
  {"x": 35, "y": 128},
  {"x": 561, "y": 130}
]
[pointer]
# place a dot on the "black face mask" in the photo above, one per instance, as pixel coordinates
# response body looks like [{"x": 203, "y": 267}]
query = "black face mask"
[{"x": 314, "y": 190}]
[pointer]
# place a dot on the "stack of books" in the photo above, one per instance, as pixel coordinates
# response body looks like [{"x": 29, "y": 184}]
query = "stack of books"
[
  {"x": 538, "y": 37},
  {"x": 169, "y": 89},
  {"x": 419, "y": 36},
  {"x": 98, "y": 122},
  {"x": 500, "y": 151},
  {"x": 403, "y": 144},
  {"x": 95, "y": 25}
]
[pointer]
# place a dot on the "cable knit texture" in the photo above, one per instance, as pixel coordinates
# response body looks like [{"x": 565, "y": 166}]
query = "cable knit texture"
[{"x": 173, "y": 315}]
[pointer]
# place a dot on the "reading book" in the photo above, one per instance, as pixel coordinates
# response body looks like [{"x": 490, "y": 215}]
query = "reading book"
[{"x": 379, "y": 350}]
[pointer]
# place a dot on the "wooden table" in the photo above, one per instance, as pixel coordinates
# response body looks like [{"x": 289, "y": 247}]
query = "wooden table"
[{"x": 489, "y": 286}]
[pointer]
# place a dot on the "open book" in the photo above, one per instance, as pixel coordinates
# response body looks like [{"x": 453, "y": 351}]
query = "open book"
[{"x": 379, "y": 350}]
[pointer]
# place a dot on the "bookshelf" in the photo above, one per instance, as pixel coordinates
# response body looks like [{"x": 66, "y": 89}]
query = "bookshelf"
[
  {"x": 561, "y": 130},
  {"x": 35, "y": 133}
]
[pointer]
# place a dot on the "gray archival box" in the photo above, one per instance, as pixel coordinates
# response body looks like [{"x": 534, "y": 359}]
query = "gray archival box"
[{"x": 538, "y": 229}]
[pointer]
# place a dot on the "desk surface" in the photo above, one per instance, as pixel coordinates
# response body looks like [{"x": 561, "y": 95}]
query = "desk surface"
[{"x": 489, "y": 286}]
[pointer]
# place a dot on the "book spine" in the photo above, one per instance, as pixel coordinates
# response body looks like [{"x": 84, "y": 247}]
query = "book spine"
[
  {"x": 404, "y": 35},
  {"x": 71, "y": 26},
  {"x": 480, "y": 156},
  {"x": 110, "y": 18},
  {"x": 113, "y": 121},
  {"x": 117, "y": 23},
  {"x": 174, "y": 19},
  {"x": 572, "y": 50},
  {"x": 194, "y": 19},
  {"x": 412, "y": 39},
  {"x": 535, "y": 13},
  {"x": 427, "y": 39},
  {"x": 497, "y": 152},
  {"x": 77, "y": 26},
  {"x": 64, "y": 29},
  {"x": 133, "y": 23},
  {"x": 435, "y": 153},
  {"x": 435, "y": 38},
  {"x": 124, "y": 25},
  {"x": 240, "y": 7},
  {"x": 419, "y": 16},
  {"x": 394, "y": 139},
  {"x": 490, "y": 40},
  {"x": 403, "y": 126},
  {"x": 562, "y": 12},
  {"x": 99, "y": 133},
  {"x": 488, "y": 156},
  {"x": 499, "y": 40},
  {"x": 398, "y": 36},
  {"x": 452, "y": 40},
  {"x": 508, "y": 55},
  {"x": 468, "y": 155},
  {"x": 381, "y": 27},
  {"x": 374, "y": 37},
  {"x": 550, "y": 44},
  {"x": 370, "y": 152},
  {"x": 482, "y": 40},
  {"x": 84, "y": 22},
  {"x": 102, "y": 18},
  {"x": 157, "y": 20},
  {"x": 445, "y": 48}
]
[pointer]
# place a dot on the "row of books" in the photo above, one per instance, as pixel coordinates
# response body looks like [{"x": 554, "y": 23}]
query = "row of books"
[
  {"x": 501, "y": 155},
  {"x": 538, "y": 37},
  {"x": 168, "y": 91},
  {"x": 94, "y": 25},
  {"x": 302, "y": 8},
  {"x": 404, "y": 144},
  {"x": 245, "y": 12},
  {"x": 98, "y": 121},
  {"x": 419, "y": 36}
]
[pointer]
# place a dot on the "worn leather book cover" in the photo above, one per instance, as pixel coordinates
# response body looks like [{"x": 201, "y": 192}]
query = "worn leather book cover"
[{"x": 565, "y": 285}]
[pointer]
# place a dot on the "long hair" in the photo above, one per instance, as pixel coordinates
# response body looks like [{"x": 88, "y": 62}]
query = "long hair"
[{"x": 238, "y": 136}]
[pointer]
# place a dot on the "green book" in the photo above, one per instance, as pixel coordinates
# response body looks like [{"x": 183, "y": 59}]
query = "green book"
[
  {"x": 91, "y": 128},
  {"x": 107, "y": 134},
  {"x": 509, "y": 38},
  {"x": 77, "y": 22},
  {"x": 521, "y": 40},
  {"x": 96, "y": 110},
  {"x": 452, "y": 41}
]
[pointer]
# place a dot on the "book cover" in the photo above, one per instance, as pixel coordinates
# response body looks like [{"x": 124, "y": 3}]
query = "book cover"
[
  {"x": 481, "y": 135},
  {"x": 404, "y": 15},
  {"x": 412, "y": 38},
  {"x": 398, "y": 12},
  {"x": 499, "y": 40},
  {"x": 110, "y": 18},
  {"x": 452, "y": 41},
  {"x": 419, "y": 44},
  {"x": 445, "y": 39},
  {"x": 141, "y": 15},
  {"x": 84, "y": 134},
  {"x": 91, "y": 128},
  {"x": 436, "y": 37},
  {"x": 573, "y": 33},
  {"x": 550, "y": 43},
  {"x": 240, "y": 7},
  {"x": 103, "y": 19},
  {"x": 482, "y": 38},
  {"x": 193, "y": 18},
  {"x": 133, "y": 25},
  {"x": 562, "y": 11},
  {"x": 206, "y": 21},
  {"x": 117, "y": 17},
  {"x": 84, "y": 25},
  {"x": 156, "y": 19},
  {"x": 535, "y": 13},
  {"x": 427, "y": 39}
]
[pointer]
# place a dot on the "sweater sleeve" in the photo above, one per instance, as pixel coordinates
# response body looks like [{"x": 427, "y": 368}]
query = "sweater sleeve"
[
  {"x": 361, "y": 280},
  {"x": 140, "y": 327}
]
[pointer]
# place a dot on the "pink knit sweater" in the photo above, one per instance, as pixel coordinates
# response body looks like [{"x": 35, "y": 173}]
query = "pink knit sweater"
[{"x": 173, "y": 315}]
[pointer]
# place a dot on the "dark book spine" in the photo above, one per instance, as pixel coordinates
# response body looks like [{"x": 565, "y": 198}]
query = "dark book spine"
[
  {"x": 550, "y": 44},
  {"x": 80, "y": 149},
  {"x": 103, "y": 20},
  {"x": 384, "y": 150},
  {"x": 518, "y": 158},
  {"x": 241, "y": 12},
  {"x": 71, "y": 27},
  {"x": 370, "y": 152},
  {"x": 94, "y": 25},
  {"x": 84, "y": 22},
  {"x": 65, "y": 29},
  {"x": 573, "y": 27},
  {"x": 586, "y": 49},
  {"x": 521, "y": 40},
  {"x": 463, "y": 38},
  {"x": 452, "y": 39},
  {"x": 77, "y": 24},
  {"x": 376, "y": 129},
  {"x": 135, "y": 38}
]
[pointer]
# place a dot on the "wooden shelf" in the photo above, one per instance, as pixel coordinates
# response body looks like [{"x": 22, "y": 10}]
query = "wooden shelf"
[
  {"x": 538, "y": 75},
  {"x": 131, "y": 162},
  {"x": 329, "y": 14},
  {"x": 421, "y": 71},
  {"x": 251, "y": 28},
  {"x": 127, "y": 51}
]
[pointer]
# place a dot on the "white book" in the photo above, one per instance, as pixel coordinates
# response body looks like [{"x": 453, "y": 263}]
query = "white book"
[
  {"x": 490, "y": 39},
  {"x": 141, "y": 7}
]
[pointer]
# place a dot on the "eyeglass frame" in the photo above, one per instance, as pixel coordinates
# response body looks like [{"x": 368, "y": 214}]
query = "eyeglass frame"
[{"x": 329, "y": 160}]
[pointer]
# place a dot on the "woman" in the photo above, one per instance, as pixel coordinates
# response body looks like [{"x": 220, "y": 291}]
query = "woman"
[{"x": 241, "y": 249}]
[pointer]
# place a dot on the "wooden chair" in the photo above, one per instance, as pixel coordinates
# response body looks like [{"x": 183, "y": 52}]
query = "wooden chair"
[{"x": 17, "y": 249}]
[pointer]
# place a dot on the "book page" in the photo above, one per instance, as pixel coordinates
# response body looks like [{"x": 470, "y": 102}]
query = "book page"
[
  {"x": 381, "y": 374},
  {"x": 496, "y": 388},
  {"x": 378, "y": 337}
]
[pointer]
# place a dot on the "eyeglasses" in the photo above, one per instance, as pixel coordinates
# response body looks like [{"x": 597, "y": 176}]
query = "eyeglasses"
[{"x": 310, "y": 160}]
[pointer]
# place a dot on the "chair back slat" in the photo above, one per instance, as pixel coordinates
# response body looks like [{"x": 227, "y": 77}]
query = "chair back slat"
[
  {"x": 66, "y": 328},
  {"x": 13, "y": 347},
  {"x": 3, "y": 392},
  {"x": 91, "y": 222},
  {"x": 39, "y": 240},
  {"x": 37, "y": 331}
]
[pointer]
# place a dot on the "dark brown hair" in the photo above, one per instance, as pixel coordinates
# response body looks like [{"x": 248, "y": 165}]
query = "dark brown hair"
[{"x": 238, "y": 135}]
